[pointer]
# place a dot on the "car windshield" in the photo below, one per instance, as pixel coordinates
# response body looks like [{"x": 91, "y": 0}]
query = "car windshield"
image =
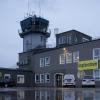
[{"x": 88, "y": 77}]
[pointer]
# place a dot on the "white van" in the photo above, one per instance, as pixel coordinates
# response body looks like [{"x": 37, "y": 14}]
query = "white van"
[{"x": 69, "y": 80}]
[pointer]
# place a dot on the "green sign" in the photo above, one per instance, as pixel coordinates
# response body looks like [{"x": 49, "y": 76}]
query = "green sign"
[{"x": 88, "y": 64}]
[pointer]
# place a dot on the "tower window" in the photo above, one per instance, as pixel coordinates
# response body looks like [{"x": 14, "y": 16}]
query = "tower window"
[{"x": 41, "y": 38}]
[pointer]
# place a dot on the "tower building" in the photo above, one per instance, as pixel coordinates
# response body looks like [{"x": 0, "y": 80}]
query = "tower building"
[
  {"x": 75, "y": 54},
  {"x": 34, "y": 31}
]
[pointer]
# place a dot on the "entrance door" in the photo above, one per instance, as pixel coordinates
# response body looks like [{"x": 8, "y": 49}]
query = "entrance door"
[{"x": 58, "y": 80}]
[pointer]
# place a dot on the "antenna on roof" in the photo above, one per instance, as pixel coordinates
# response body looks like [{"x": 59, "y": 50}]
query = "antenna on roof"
[
  {"x": 28, "y": 5},
  {"x": 39, "y": 7},
  {"x": 28, "y": 8}
]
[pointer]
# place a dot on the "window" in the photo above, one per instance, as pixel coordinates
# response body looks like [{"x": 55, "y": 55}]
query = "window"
[
  {"x": 85, "y": 39},
  {"x": 96, "y": 53},
  {"x": 37, "y": 78},
  {"x": 47, "y": 61},
  {"x": 96, "y": 74},
  {"x": 62, "y": 58},
  {"x": 62, "y": 40},
  {"x": 69, "y": 40},
  {"x": 47, "y": 78},
  {"x": 75, "y": 39},
  {"x": 76, "y": 56},
  {"x": 28, "y": 45},
  {"x": 59, "y": 40},
  {"x": 68, "y": 57},
  {"x": 41, "y": 38},
  {"x": 7, "y": 76},
  {"x": 41, "y": 78},
  {"x": 20, "y": 79},
  {"x": 26, "y": 61},
  {"x": 41, "y": 62}
]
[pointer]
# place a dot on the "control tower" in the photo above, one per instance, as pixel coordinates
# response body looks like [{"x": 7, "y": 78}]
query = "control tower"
[{"x": 34, "y": 31}]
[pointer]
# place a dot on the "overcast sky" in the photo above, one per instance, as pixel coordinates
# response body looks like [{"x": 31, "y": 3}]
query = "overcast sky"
[{"x": 82, "y": 15}]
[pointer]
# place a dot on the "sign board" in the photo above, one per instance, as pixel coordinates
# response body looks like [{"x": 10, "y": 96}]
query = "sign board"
[{"x": 88, "y": 64}]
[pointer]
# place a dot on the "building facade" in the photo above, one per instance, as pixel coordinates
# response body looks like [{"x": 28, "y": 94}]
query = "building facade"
[
  {"x": 75, "y": 53},
  {"x": 20, "y": 77}
]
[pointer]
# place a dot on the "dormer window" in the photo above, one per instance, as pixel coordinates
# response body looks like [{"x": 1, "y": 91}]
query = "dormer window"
[
  {"x": 68, "y": 39},
  {"x": 85, "y": 39},
  {"x": 62, "y": 40}
]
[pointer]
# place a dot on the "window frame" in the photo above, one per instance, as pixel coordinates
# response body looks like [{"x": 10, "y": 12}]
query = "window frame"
[
  {"x": 47, "y": 80},
  {"x": 41, "y": 38},
  {"x": 21, "y": 76},
  {"x": 37, "y": 81},
  {"x": 62, "y": 40},
  {"x": 8, "y": 75},
  {"x": 69, "y": 39},
  {"x": 75, "y": 59},
  {"x": 94, "y": 75},
  {"x": 42, "y": 80},
  {"x": 47, "y": 63},
  {"x": 62, "y": 61},
  {"x": 67, "y": 60},
  {"x": 94, "y": 53},
  {"x": 41, "y": 63},
  {"x": 84, "y": 39}
]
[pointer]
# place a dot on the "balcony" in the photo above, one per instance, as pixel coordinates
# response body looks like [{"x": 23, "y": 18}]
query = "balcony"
[{"x": 47, "y": 32}]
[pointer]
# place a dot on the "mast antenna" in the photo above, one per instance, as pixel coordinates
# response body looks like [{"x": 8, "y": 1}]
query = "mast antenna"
[
  {"x": 39, "y": 7},
  {"x": 28, "y": 7}
]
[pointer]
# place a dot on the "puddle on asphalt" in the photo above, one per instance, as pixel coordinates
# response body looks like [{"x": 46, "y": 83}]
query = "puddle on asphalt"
[{"x": 51, "y": 94}]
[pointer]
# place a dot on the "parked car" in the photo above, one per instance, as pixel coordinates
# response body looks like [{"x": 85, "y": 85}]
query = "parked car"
[
  {"x": 7, "y": 83},
  {"x": 69, "y": 80},
  {"x": 88, "y": 81}
]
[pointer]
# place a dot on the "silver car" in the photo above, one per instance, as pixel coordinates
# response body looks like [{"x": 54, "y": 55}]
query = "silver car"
[{"x": 88, "y": 81}]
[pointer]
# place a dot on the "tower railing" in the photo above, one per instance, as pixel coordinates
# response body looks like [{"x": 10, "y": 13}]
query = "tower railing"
[{"x": 37, "y": 30}]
